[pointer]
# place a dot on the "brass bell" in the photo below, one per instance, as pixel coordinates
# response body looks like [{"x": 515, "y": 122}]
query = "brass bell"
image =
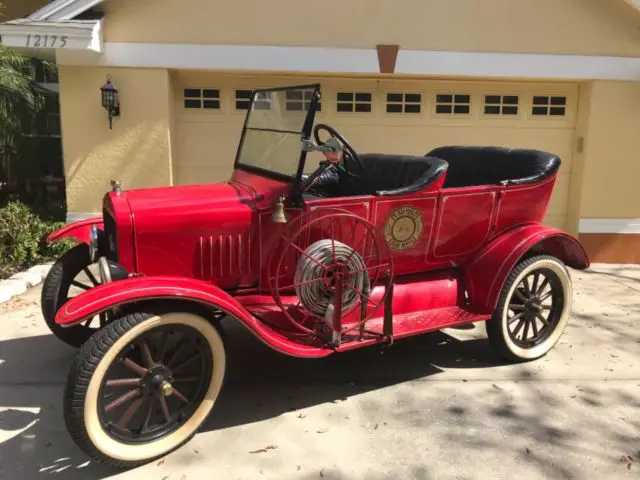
[{"x": 278, "y": 215}]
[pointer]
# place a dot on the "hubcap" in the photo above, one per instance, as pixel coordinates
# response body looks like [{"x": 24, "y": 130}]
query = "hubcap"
[
  {"x": 156, "y": 384},
  {"x": 166, "y": 388},
  {"x": 535, "y": 308}
]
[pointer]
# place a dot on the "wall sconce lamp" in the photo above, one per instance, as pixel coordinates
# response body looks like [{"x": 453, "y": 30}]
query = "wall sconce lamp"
[{"x": 110, "y": 100}]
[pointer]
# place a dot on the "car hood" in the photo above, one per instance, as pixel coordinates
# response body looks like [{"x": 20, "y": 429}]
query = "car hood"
[{"x": 189, "y": 206}]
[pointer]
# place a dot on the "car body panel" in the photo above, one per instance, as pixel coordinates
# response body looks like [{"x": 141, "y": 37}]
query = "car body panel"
[
  {"x": 450, "y": 241},
  {"x": 485, "y": 275},
  {"x": 137, "y": 289},
  {"x": 79, "y": 230}
]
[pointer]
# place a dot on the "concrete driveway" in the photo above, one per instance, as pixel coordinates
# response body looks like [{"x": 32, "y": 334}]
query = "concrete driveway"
[{"x": 436, "y": 406}]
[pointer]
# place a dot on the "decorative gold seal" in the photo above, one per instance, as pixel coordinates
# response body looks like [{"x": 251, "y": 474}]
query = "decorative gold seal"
[{"x": 403, "y": 228}]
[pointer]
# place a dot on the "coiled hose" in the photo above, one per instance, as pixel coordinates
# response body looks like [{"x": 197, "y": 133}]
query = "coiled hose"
[{"x": 316, "y": 296}]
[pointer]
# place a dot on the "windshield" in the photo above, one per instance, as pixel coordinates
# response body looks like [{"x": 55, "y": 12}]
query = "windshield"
[{"x": 276, "y": 122}]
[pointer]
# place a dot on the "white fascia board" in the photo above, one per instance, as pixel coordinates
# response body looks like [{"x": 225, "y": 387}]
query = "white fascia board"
[
  {"x": 359, "y": 60},
  {"x": 610, "y": 225},
  {"x": 634, "y": 3},
  {"x": 48, "y": 35},
  {"x": 63, "y": 9}
]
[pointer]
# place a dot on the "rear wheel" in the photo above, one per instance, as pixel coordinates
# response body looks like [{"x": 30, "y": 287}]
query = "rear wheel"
[
  {"x": 533, "y": 309},
  {"x": 71, "y": 275},
  {"x": 142, "y": 386}
]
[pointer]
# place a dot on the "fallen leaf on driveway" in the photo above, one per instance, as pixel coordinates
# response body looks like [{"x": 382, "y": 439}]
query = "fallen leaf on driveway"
[
  {"x": 263, "y": 450},
  {"x": 161, "y": 462},
  {"x": 323, "y": 430},
  {"x": 302, "y": 415}
]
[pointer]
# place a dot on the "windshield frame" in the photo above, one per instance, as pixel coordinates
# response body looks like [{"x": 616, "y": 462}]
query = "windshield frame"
[{"x": 305, "y": 133}]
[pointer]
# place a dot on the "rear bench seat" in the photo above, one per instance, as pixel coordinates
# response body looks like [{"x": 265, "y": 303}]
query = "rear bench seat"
[{"x": 471, "y": 166}]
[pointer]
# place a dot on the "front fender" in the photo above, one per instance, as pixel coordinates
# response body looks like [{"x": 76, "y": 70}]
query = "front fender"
[
  {"x": 79, "y": 230},
  {"x": 485, "y": 275},
  {"x": 137, "y": 289}
]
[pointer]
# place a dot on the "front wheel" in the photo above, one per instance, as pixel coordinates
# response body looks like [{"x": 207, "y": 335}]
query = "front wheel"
[
  {"x": 143, "y": 385},
  {"x": 533, "y": 309},
  {"x": 70, "y": 276}
]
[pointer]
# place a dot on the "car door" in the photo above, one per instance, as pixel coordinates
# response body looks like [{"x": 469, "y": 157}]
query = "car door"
[{"x": 406, "y": 223}]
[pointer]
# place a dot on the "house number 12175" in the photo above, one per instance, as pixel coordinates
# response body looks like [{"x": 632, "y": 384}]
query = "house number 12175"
[{"x": 46, "y": 41}]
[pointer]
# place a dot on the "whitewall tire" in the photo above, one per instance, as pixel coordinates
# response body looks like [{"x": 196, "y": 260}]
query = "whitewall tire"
[
  {"x": 533, "y": 309},
  {"x": 143, "y": 385}
]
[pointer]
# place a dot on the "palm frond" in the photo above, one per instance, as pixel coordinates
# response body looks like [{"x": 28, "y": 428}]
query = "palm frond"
[
  {"x": 20, "y": 97},
  {"x": 12, "y": 58}
]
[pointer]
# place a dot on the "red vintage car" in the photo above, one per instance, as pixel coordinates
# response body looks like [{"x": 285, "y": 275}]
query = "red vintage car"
[{"x": 312, "y": 255}]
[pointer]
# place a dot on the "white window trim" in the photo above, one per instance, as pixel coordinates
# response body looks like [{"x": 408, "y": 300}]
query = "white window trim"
[
  {"x": 501, "y": 115},
  {"x": 209, "y": 111},
  {"x": 404, "y": 102},
  {"x": 453, "y": 104},
  {"x": 354, "y": 102}
]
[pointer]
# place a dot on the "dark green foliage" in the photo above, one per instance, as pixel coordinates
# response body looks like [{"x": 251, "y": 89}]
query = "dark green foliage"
[{"x": 23, "y": 239}]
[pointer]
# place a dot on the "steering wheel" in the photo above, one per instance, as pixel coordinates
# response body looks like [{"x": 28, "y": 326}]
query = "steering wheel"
[
  {"x": 352, "y": 155},
  {"x": 347, "y": 165}
]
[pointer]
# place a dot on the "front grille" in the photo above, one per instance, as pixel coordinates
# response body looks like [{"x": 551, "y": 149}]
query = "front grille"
[{"x": 110, "y": 236}]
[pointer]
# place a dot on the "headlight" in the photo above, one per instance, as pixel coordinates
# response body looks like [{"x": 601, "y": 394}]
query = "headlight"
[
  {"x": 93, "y": 244},
  {"x": 105, "y": 272},
  {"x": 111, "y": 271}
]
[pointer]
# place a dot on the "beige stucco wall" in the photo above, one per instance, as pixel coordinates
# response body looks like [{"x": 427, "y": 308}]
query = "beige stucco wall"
[
  {"x": 11, "y": 9},
  {"x": 137, "y": 150},
  {"x": 591, "y": 27},
  {"x": 612, "y": 142}
]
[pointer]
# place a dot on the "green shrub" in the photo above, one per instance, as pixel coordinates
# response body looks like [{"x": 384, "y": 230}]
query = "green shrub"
[{"x": 23, "y": 239}]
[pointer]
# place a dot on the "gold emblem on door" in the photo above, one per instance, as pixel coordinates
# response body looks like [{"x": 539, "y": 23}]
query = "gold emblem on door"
[{"x": 403, "y": 228}]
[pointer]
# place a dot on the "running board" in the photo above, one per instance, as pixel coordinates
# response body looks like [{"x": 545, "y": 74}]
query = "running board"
[{"x": 408, "y": 324}]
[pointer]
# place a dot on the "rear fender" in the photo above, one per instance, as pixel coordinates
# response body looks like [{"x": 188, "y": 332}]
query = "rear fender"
[
  {"x": 79, "y": 230},
  {"x": 143, "y": 289},
  {"x": 485, "y": 275}
]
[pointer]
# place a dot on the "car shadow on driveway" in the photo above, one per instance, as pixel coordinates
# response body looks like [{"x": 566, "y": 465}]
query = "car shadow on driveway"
[{"x": 260, "y": 384}]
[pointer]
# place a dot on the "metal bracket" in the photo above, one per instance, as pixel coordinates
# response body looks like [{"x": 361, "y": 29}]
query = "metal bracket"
[
  {"x": 116, "y": 187},
  {"x": 387, "y": 326},
  {"x": 332, "y": 145}
]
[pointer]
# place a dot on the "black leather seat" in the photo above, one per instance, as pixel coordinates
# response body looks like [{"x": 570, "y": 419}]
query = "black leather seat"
[
  {"x": 470, "y": 166},
  {"x": 400, "y": 174},
  {"x": 385, "y": 175}
]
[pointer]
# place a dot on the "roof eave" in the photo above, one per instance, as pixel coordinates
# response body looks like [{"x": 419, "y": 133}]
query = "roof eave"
[
  {"x": 26, "y": 34},
  {"x": 63, "y": 9},
  {"x": 634, "y": 3}
]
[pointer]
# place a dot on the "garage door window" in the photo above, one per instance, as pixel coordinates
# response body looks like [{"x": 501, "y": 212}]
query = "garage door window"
[
  {"x": 501, "y": 104},
  {"x": 549, "y": 106},
  {"x": 243, "y": 100},
  {"x": 404, "y": 102},
  {"x": 299, "y": 100},
  {"x": 202, "y": 98},
  {"x": 353, "y": 102},
  {"x": 453, "y": 104}
]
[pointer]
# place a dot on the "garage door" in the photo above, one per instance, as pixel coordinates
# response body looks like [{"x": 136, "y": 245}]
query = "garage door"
[{"x": 399, "y": 116}]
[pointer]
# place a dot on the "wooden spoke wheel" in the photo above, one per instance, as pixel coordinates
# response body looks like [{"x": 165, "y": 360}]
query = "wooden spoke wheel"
[
  {"x": 533, "y": 309},
  {"x": 143, "y": 385},
  {"x": 71, "y": 275},
  {"x": 328, "y": 265}
]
